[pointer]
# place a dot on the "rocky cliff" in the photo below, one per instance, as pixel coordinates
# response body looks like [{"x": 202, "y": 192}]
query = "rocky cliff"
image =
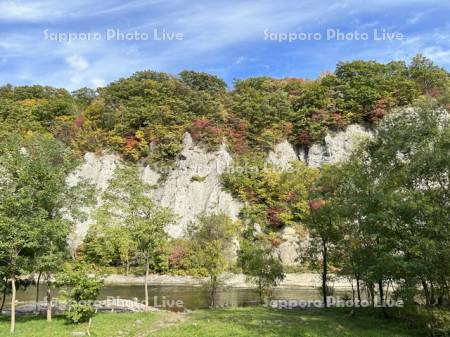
[{"x": 193, "y": 185}]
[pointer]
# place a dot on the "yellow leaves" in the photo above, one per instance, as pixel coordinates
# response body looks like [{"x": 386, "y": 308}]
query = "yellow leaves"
[
  {"x": 33, "y": 102},
  {"x": 95, "y": 110},
  {"x": 274, "y": 196},
  {"x": 28, "y": 135}
]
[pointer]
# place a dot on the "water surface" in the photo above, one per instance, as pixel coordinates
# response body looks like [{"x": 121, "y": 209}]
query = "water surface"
[{"x": 193, "y": 297}]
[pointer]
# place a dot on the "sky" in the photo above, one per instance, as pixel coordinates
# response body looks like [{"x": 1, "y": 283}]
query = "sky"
[{"x": 78, "y": 43}]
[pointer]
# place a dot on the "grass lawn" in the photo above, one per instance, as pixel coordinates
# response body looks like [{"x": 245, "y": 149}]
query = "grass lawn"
[
  {"x": 245, "y": 322},
  {"x": 104, "y": 324}
]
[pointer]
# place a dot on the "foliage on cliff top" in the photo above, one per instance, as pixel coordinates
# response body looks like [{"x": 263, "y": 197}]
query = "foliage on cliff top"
[{"x": 146, "y": 114}]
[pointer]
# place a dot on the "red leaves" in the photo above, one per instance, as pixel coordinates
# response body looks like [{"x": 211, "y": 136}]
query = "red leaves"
[
  {"x": 202, "y": 129},
  {"x": 273, "y": 216},
  {"x": 177, "y": 255},
  {"x": 236, "y": 134},
  {"x": 250, "y": 194},
  {"x": 132, "y": 141},
  {"x": 275, "y": 242},
  {"x": 338, "y": 119},
  {"x": 379, "y": 111},
  {"x": 319, "y": 115},
  {"x": 79, "y": 122},
  {"x": 316, "y": 204},
  {"x": 200, "y": 123},
  {"x": 305, "y": 138}
]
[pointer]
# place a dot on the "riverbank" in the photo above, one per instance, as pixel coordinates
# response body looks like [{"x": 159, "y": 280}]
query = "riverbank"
[
  {"x": 292, "y": 280},
  {"x": 235, "y": 291},
  {"x": 243, "y": 322}
]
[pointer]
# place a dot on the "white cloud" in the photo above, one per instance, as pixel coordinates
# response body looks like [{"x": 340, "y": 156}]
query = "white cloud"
[
  {"x": 14, "y": 10},
  {"x": 245, "y": 59},
  {"x": 438, "y": 54},
  {"x": 418, "y": 16},
  {"x": 98, "y": 82},
  {"x": 77, "y": 63},
  {"x": 211, "y": 30}
]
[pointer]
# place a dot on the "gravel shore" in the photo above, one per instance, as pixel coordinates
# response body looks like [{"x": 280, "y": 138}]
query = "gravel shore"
[{"x": 306, "y": 280}]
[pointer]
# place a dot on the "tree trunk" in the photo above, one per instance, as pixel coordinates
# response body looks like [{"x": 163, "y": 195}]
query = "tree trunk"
[
  {"x": 324, "y": 275},
  {"x": 4, "y": 296},
  {"x": 36, "y": 309},
  {"x": 353, "y": 294},
  {"x": 380, "y": 288},
  {"x": 260, "y": 291},
  {"x": 127, "y": 267},
  {"x": 383, "y": 307},
  {"x": 386, "y": 295},
  {"x": 146, "y": 284},
  {"x": 49, "y": 299},
  {"x": 427, "y": 293},
  {"x": 371, "y": 290},
  {"x": 358, "y": 290},
  {"x": 432, "y": 296},
  {"x": 213, "y": 291},
  {"x": 13, "y": 303}
]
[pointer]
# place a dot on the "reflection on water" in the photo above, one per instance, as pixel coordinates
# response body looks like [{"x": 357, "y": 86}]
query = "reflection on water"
[{"x": 192, "y": 297}]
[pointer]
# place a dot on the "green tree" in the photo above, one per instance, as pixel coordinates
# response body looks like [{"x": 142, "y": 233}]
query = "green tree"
[
  {"x": 395, "y": 201},
  {"x": 323, "y": 223},
  {"x": 369, "y": 89},
  {"x": 127, "y": 202},
  {"x": 203, "y": 81},
  {"x": 429, "y": 77},
  {"x": 108, "y": 240},
  {"x": 261, "y": 265},
  {"x": 83, "y": 288},
  {"x": 34, "y": 201},
  {"x": 212, "y": 236}
]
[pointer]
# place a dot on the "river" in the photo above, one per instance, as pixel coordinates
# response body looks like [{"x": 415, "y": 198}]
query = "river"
[{"x": 192, "y": 297}]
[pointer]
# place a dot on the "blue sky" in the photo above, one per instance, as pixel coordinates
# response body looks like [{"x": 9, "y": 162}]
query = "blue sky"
[{"x": 224, "y": 37}]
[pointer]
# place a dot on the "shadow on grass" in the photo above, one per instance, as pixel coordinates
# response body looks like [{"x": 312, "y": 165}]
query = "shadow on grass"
[{"x": 30, "y": 318}]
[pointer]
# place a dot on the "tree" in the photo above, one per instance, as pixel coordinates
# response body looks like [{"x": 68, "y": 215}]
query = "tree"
[
  {"x": 84, "y": 288},
  {"x": 212, "y": 236},
  {"x": 262, "y": 103},
  {"x": 126, "y": 247},
  {"x": 127, "y": 203},
  {"x": 368, "y": 197},
  {"x": 323, "y": 223},
  {"x": 108, "y": 241},
  {"x": 4, "y": 286},
  {"x": 261, "y": 265},
  {"x": 428, "y": 76},
  {"x": 33, "y": 194},
  {"x": 413, "y": 146},
  {"x": 365, "y": 84},
  {"x": 203, "y": 81},
  {"x": 84, "y": 96},
  {"x": 394, "y": 197},
  {"x": 272, "y": 198}
]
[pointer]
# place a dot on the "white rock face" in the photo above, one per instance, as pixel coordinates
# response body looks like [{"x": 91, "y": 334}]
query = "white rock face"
[
  {"x": 288, "y": 250},
  {"x": 282, "y": 155},
  {"x": 98, "y": 170},
  {"x": 193, "y": 187},
  {"x": 337, "y": 146}
]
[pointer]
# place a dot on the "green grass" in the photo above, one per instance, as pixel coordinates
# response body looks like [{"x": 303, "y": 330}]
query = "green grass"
[
  {"x": 104, "y": 325},
  {"x": 262, "y": 322},
  {"x": 242, "y": 322}
]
